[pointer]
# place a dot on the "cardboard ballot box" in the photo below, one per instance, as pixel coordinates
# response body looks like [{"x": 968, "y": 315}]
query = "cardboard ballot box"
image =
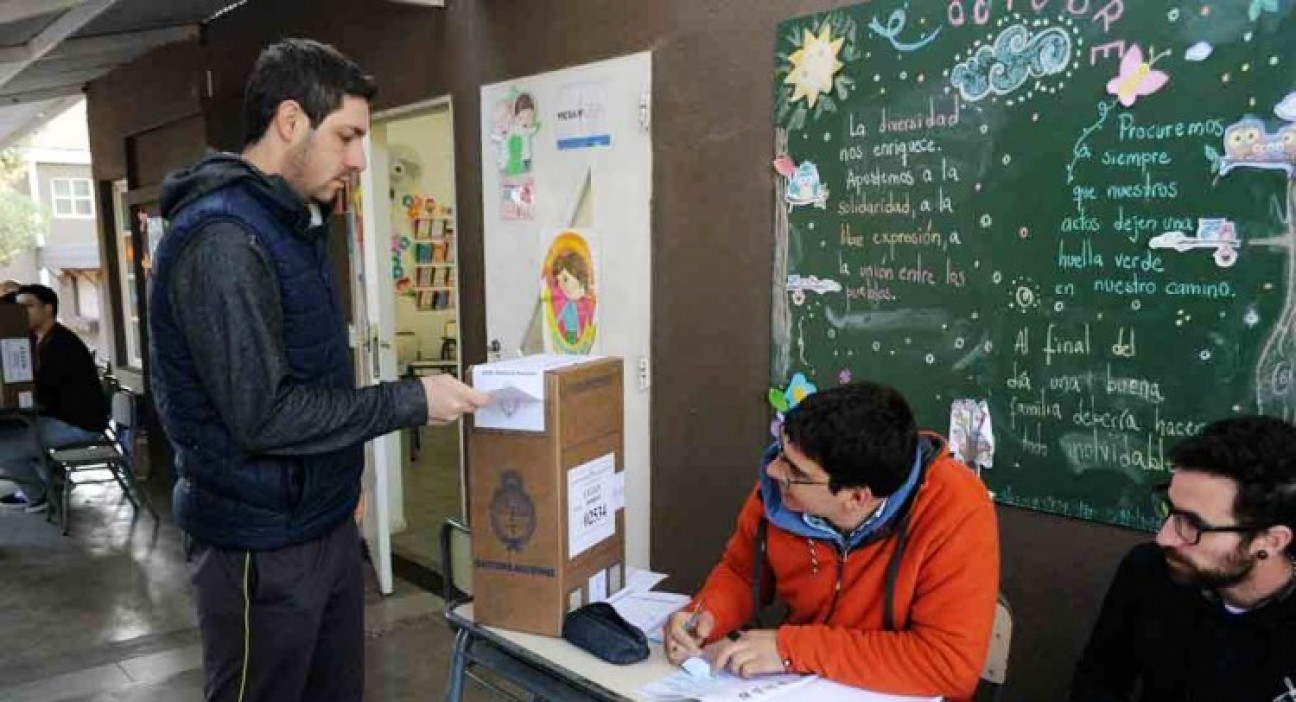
[
  {"x": 17, "y": 362},
  {"x": 546, "y": 490}
]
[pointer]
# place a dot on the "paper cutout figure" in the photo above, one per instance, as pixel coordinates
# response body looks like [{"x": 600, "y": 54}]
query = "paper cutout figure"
[
  {"x": 971, "y": 433},
  {"x": 1137, "y": 78},
  {"x": 568, "y": 294},
  {"x": 1248, "y": 142},
  {"x": 514, "y": 125},
  {"x": 804, "y": 186},
  {"x": 1212, "y": 233},
  {"x": 814, "y": 65},
  {"x": 782, "y": 401},
  {"x": 517, "y": 198},
  {"x": 798, "y": 287},
  {"x": 1199, "y": 52}
]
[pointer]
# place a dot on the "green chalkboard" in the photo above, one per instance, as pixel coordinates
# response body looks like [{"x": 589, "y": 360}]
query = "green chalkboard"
[{"x": 1081, "y": 212}]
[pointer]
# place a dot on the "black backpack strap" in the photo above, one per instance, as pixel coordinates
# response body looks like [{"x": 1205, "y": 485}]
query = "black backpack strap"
[{"x": 892, "y": 572}]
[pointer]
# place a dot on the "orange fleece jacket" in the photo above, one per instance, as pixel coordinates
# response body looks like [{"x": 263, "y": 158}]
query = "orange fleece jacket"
[{"x": 945, "y": 592}]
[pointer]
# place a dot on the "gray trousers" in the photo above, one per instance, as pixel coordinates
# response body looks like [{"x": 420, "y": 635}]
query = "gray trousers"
[{"x": 282, "y": 626}]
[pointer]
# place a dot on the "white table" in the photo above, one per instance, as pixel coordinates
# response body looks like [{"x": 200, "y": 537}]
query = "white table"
[{"x": 587, "y": 677}]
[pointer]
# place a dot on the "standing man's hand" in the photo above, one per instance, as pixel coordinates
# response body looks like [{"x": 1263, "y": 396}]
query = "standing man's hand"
[{"x": 448, "y": 399}]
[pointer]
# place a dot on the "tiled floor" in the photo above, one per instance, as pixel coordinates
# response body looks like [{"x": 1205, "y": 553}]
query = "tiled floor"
[{"x": 105, "y": 615}]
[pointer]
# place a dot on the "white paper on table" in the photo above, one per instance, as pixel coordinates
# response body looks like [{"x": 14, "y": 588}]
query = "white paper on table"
[
  {"x": 823, "y": 690},
  {"x": 725, "y": 687},
  {"x": 639, "y": 580},
  {"x": 590, "y": 515},
  {"x": 648, "y": 610},
  {"x": 17, "y": 363},
  {"x": 517, "y": 390},
  {"x": 598, "y": 586}
]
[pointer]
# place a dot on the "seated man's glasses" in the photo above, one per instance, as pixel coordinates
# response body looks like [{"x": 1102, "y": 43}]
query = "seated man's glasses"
[{"x": 1188, "y": 526}]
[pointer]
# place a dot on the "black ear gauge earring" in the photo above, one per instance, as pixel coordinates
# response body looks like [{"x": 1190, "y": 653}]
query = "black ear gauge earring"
[{"x": 1262, "y": 554}]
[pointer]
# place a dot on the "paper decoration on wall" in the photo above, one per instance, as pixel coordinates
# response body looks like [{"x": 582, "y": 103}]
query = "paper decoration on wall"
[
  {"x": 581, "y": 120},
  {"x": 514, "y": 123},
  {"x": 804, "y": 186},
  {"x": 798, "y": 286},
  {"x": 782, "y": 401},
  {"x": 569, "y": 293},
  {"x": 1212, "y": 233},
  {"x": 1249, "y": 143},
  {"x": 1199, "y": 52},
  {"x": 971, "y": 433},
  {"x": 517, "y": 198},
  {"x": 813, "y": 72},
  {"x": 1137, "y": 77},
  {"x": 814, "y": 65}
]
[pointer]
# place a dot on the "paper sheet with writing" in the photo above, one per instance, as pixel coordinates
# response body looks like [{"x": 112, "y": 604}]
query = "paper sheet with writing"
[
  {"x": 648, "y": 610},
  {"x": 591, "y": 515},
  {"x": 17, "y": 361},
  {"x": 728, "y": 688},
  {"x": 517, "y": 390},
  {"x": 723, "y": 687}
]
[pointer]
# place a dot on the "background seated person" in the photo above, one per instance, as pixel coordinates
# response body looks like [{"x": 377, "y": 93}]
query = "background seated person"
[
  {"x": 1207, "y": 612},
  {"x": 883, "y": 547},
  {"x": 70, "y": 399}
]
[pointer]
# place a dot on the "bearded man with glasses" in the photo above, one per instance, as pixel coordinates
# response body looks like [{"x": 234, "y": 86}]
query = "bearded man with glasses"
[{"x": 1206, "y": 612}]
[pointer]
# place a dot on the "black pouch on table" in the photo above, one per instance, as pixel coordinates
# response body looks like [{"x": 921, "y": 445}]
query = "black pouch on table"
[{"x": 599, "y": 629}]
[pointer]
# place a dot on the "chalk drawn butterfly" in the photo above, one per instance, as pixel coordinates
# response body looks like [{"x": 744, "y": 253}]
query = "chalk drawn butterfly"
[{"x": 1137, "y": 77}]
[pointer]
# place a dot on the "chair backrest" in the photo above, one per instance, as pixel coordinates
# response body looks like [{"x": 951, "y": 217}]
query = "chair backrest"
[
  {"x": 123, "y": 408},
  {"x": 995, "y": 672},
  {"x": 456, "y": 559}
]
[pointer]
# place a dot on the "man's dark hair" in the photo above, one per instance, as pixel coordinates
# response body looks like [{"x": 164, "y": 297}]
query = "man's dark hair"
[
  {"x": 863, "y": 434},
  {"x": 46, "y": 295},
  {"x": 315, "y": 75},
  {"x": 1256, "y": 452}
]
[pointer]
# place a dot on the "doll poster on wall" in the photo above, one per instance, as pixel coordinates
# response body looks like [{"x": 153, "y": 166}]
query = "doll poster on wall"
[{"x": 569, "y": 292}]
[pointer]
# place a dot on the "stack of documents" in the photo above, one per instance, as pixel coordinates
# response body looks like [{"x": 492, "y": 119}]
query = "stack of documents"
[{"x": 644, "y": 608}]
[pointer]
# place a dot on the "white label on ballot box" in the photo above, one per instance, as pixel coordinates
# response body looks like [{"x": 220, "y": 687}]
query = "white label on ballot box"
[
  {"x": 17, "y": 361},
  {"x": 591, "y": 515}
]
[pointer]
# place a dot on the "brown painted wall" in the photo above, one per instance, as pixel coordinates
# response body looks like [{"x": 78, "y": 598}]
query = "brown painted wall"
[{"x": 712, "y": 214}]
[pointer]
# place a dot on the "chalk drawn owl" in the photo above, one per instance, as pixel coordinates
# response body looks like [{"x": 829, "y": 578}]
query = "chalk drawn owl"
[{"x": 1242, "y": 139}]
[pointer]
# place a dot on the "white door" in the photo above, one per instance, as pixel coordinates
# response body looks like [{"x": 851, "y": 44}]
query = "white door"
[
  {"x": 581, "y": 159},
  {"x": 374, "y": 333}
]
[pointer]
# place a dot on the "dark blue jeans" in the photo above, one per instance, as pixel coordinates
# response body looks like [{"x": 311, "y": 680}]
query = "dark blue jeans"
[{"x": 20, "y": 458}]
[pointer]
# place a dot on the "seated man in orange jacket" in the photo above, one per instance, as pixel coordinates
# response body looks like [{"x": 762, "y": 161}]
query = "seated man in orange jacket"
[{"x": 883, "y": 547}]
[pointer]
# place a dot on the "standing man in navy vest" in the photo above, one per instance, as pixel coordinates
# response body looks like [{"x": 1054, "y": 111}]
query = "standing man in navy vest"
[{"x": 254, "y": 383}]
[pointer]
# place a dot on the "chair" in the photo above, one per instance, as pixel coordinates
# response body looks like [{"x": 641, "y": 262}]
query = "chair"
[
  {"x": 113, "y": 454},
  {"x": 995, "y": 672},
  {"x": 471, "y": 654}
]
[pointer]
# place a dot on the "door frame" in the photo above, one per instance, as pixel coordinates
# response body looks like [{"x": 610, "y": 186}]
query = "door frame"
[{"x": 385, "y": 453}]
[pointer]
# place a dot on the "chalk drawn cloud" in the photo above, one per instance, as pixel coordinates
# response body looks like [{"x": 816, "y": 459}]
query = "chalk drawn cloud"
[{"x": 1015, "y": 57}]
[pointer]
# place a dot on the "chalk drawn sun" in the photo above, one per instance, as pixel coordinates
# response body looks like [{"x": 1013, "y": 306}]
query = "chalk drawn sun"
[
  {"x": 1024, "y": 295},
  {"x": 814, "y": 65}
]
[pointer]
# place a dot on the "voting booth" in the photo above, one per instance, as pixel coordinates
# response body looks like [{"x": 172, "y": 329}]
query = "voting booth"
[{"x": 546, "y": 489}]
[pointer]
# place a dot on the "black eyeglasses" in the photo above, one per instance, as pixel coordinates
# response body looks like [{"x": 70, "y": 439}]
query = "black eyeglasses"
[
  {"x": 1189, "y": 526},
  {"x": 787, "y": 480}
]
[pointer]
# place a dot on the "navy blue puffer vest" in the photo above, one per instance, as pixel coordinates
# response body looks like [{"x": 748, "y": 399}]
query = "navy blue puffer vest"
[{"x": 225, "y": 496}]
